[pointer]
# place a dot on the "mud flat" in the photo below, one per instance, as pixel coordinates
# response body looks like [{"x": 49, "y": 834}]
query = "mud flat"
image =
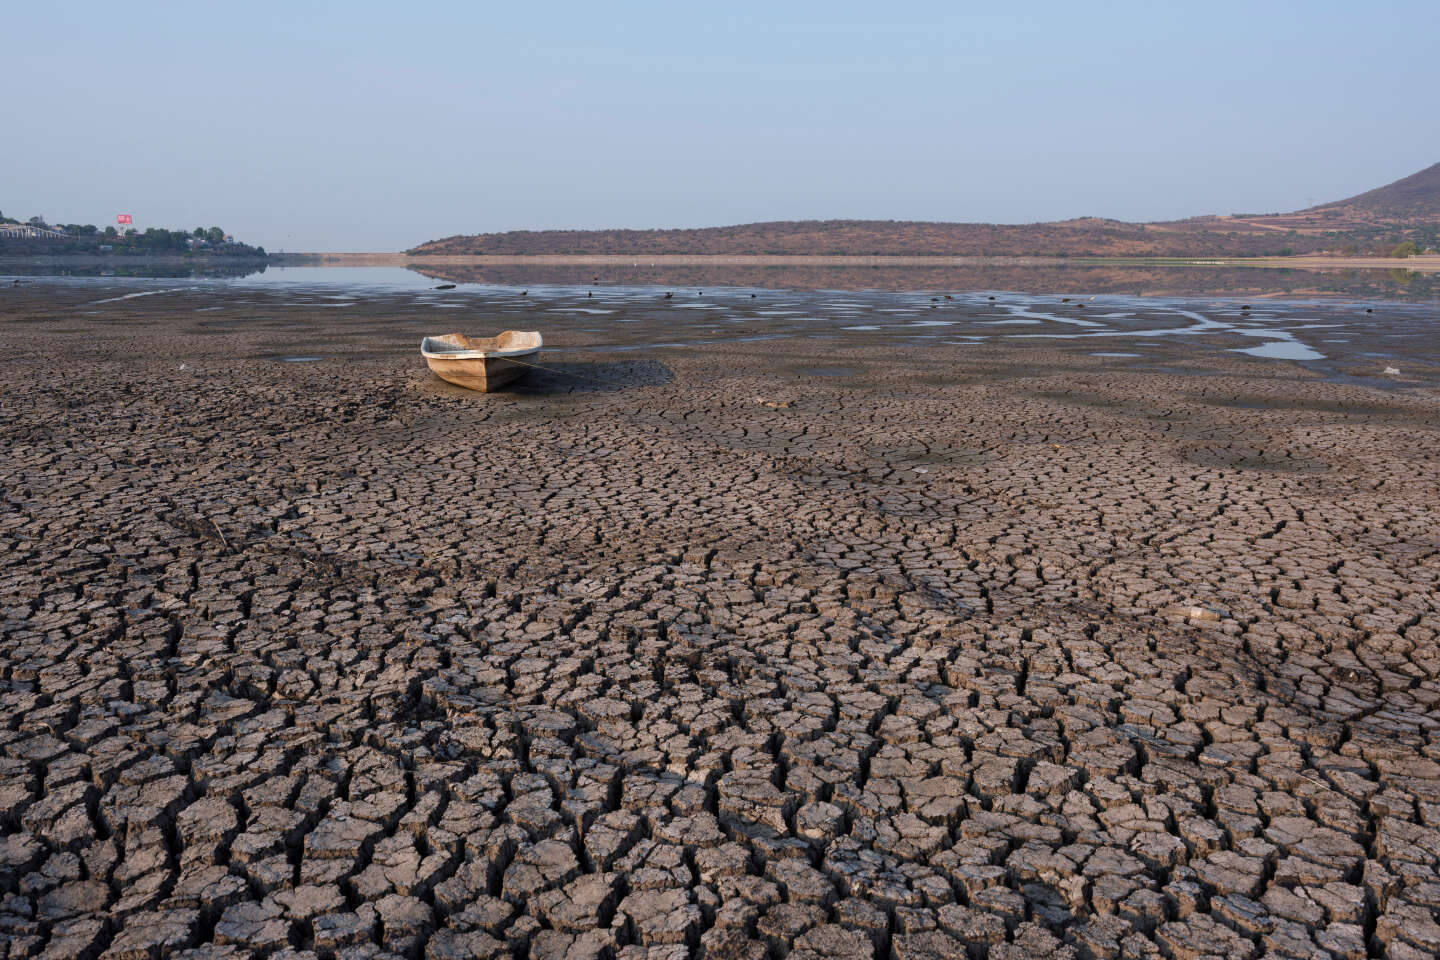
[{"x": 841, "y": 626}]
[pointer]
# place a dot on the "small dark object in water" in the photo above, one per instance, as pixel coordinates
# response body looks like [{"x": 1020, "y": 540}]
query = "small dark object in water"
[
  {"x": 752, "y": 296},
  {"x": 1367, "y": 309},
  {"x": 524, "y": 293},
  {"x": 699, "y": 293},
  {"x": 948, "y": 297},
  {"x": 669, "y": 295},
  {"x": 446, "y": 286},
  {"x": 15, "y": 284},
  {"x": 589, "y": 293},
  {"x": 992, "y": 298},
  {"x": 1245, "y": 307},
  {"x": 1064, "y": 299}
]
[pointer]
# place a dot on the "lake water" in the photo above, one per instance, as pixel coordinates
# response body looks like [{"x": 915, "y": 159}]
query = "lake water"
[{"x": 1140, "y": 279}]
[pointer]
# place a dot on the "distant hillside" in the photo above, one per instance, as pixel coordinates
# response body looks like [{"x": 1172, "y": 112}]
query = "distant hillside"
[{"x": 1372, "y": 222}]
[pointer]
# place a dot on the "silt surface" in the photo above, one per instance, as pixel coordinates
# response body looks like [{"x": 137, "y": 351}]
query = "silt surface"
[{"x": 785, "y": 639}]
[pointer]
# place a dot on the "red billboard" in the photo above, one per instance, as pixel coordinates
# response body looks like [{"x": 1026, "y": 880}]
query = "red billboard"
[{"x": 122, "y": 218}]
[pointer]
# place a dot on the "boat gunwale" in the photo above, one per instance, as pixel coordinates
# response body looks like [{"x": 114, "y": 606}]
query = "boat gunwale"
[{"x": 478, "y": 354}]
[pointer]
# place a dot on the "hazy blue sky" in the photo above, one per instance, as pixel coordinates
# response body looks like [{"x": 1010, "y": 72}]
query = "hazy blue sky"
[{"x": 375, "y": 126}]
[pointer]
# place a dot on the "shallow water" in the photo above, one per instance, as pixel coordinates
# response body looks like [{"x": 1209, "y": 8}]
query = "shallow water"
[
  {"x": 1309, "y": 330},
  {"x": 1077, "y": 280},
  {"x": 1283, "y": 350}
]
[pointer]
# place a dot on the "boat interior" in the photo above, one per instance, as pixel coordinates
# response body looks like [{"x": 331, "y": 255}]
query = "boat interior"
[{"x": 458, "y": 346}]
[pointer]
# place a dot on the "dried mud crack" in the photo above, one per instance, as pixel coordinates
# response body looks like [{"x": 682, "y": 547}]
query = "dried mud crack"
[{"x": 1018, "y": 658}]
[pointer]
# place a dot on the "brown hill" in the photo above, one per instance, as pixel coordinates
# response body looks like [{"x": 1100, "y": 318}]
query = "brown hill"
[
  {"x": 1416, "y": 197},
  {"x": 1372, "y": 222}
]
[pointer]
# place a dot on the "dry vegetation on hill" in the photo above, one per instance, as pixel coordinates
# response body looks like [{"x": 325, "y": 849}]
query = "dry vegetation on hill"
[{"x": 1372, "y": 222}]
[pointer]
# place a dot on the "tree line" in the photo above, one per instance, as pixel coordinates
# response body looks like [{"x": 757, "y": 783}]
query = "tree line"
[{"x": 88, "y": 238}]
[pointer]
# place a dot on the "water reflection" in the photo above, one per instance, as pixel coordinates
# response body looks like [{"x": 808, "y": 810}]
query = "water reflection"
[
  {"x": 16, "y": 267},
  {"x": 370, "y": 278},
  {"x": 1288, "y": 349}
]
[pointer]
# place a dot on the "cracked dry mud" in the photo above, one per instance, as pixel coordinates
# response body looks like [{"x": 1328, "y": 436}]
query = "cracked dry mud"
[{"x": 981, "y": 651}]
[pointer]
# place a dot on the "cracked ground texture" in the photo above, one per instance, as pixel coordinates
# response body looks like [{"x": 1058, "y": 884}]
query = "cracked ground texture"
[{"x": 984, "y": 651}]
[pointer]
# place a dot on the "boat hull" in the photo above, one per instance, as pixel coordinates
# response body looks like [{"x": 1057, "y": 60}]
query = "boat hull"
[{"x": 485, "y": 374}]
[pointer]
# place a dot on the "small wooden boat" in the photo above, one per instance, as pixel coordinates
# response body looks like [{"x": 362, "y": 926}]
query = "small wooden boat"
[{"x": 481, "y": 363}]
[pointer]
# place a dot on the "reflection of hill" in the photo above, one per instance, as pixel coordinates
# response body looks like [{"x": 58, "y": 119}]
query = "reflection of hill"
[
  {"x": 1108, "y": 278},
  {"x": 1370, "y": 222}
]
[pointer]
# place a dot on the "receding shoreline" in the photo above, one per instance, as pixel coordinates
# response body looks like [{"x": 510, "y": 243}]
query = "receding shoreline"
[{"x": 1423, "y": 264}]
